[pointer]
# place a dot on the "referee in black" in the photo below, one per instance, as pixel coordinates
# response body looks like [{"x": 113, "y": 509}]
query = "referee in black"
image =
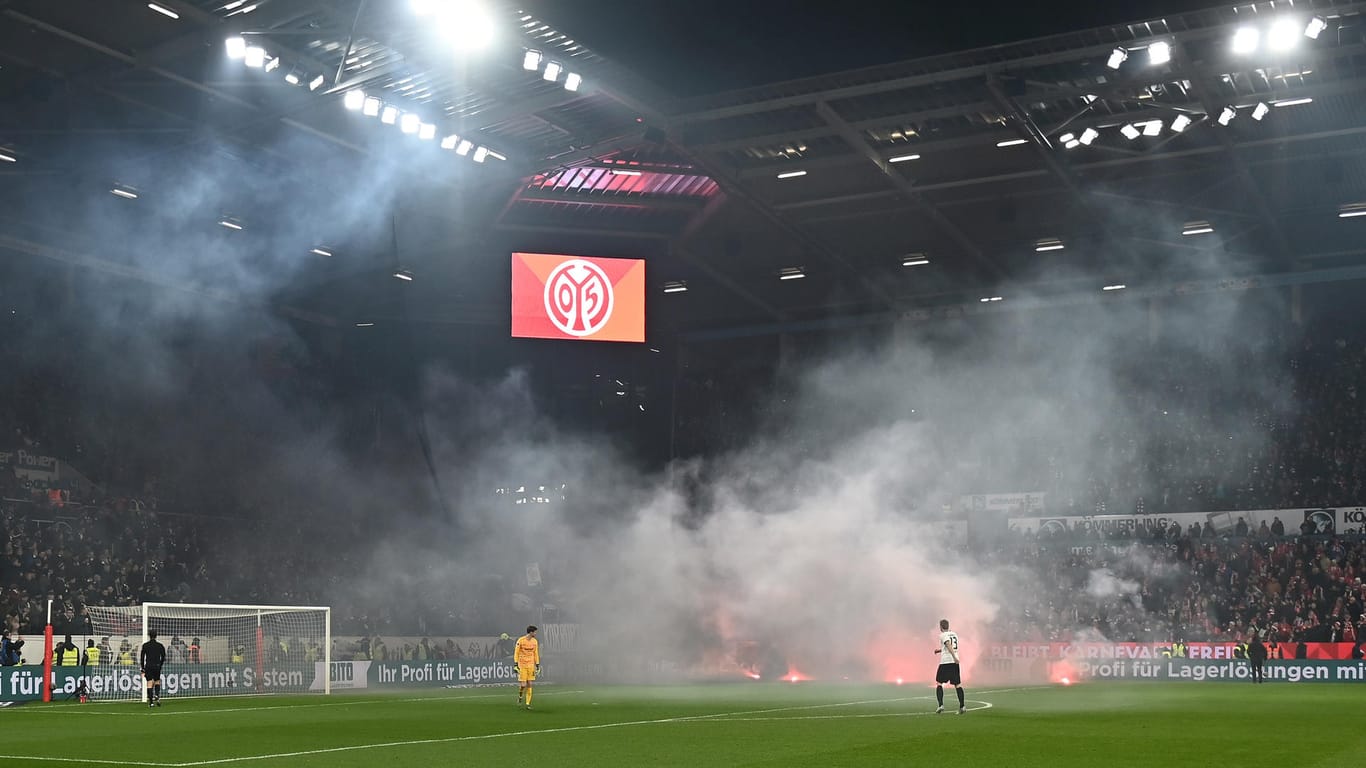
[
  {"x": 150, "y": 660},
  {"x": 1256, "y": 655}
]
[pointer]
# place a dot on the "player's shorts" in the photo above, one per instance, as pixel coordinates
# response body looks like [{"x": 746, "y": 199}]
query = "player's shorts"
[
  {"x": 152, "y": 673},
  {"x": 526, "y": 673},
  {"x": 949, "y": 673}
]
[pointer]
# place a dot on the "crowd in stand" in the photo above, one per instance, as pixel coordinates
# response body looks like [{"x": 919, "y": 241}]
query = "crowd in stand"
[{"x": 1193, "y": 585}]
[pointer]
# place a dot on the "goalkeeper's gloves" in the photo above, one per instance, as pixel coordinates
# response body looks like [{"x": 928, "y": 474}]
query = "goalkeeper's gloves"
[{"x": 538, "y": 669}]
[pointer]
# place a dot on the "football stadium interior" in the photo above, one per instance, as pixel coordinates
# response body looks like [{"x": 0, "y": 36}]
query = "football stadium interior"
[{"x": 610, "y": 383}]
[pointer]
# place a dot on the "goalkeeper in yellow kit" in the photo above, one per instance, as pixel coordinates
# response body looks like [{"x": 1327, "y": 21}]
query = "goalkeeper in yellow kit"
[{"x": 528, "y": 658}]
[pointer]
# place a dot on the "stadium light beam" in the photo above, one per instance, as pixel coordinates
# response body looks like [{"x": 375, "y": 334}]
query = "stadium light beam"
[
  {"x": 466, "y": 24},
  {"x": 237, "y": 47},
  {"x": 255, "y": 57},
  {"x": 464, "y": 148},
  {"x": 1130, "y": 132},
  {"x": 389, "y": 116},
  {"x": 354, "y": 100},
  {"x": 1284, "y": 35},
  {"x": 167, "y": 12},
  {"x": 481, "y": 154},
  {"x": 552, "y": 72},
  {"x": 1117, "y": 58},
  {"x": 1181, "y": 123},
  {"x": 1260, "y": 111},
  {"x": 426, "y": 131},
  {"x": 450, "y": 142},
  {"x": 572, "y": 81},
  {"x": 1315, "y": 27},
  {"x": 1246, "y": 40},
  {"x": 1159, "y": 53},
  {"x": 531, "y": 60},
  {"x": 410, "y": 123},
  {"x": 371, "y": 106}
]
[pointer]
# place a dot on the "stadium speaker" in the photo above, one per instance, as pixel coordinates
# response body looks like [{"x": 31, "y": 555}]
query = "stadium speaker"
[{"x": 655, "y": 135}]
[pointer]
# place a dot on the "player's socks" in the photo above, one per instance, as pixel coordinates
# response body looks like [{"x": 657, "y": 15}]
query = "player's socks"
[
  {"x": 939, "y": 695},
  {"x": 528, "y": 697},
  {"x": 960, "y": 698}
]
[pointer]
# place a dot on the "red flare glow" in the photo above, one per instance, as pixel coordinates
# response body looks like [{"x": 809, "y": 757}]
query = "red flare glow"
[{"x": 795, "y": 676}]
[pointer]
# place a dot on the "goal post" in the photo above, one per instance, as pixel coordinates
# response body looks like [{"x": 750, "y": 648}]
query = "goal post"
[{"x": 212, "y": 649}]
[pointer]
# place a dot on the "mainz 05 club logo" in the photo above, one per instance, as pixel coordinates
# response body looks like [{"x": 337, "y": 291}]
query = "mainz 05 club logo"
[{"x": 578, "y": 298}]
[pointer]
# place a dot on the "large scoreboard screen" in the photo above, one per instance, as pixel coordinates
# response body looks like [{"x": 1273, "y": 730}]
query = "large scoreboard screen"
[{"x": 578, "y": 297}]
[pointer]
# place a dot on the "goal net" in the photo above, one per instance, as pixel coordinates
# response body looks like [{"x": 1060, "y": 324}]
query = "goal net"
[{"x": 211, "y": 650}]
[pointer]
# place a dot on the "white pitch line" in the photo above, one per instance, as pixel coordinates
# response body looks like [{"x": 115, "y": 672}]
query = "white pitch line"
[
  {"x": 85, "y": 760},
  {"x": 985, "y": 705},
  {"x": 483, "y": 737}
]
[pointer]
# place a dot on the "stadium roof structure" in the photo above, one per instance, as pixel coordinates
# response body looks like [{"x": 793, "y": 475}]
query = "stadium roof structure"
[{"x": 1140, "y": 152}]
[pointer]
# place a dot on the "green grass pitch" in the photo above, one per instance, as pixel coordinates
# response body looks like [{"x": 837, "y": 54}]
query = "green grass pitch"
[{"x": 775, "y": 724}]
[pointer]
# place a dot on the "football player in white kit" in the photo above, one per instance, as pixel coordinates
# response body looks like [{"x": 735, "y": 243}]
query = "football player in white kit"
[{"x": 949, "y": 671}]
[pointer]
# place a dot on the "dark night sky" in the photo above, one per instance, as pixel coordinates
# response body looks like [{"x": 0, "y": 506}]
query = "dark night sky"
[{"x": 694, "y": 47}]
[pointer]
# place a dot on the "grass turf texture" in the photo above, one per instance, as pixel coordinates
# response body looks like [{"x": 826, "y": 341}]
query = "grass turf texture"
[{"x": 1183, "y": 724}]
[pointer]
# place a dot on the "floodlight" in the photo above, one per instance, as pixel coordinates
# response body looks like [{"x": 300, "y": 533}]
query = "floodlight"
[
  {"x": 125, "y": 192},
  {"x": 354, "y": 100},
  {"x": 552, "y": 71},
  {"x": 1048, "y": 244},
  {"x": 1115, "y": 287},
  {"x": 1246, "y": 39},
  {"x": 450, "y": 141},
  {"x": 1181, "y": 123},
  {"x": 237, "y": 47},
  {"x": 231, "y": 224},
  {"x": 1284, "y": 35},
  {"x": 1069, "y": 140},
  {"x": 572, "y": 81},
  {"x": 1130, "y": 132},
  {"x": 371, "y": 106},
  {"x": 1260, "y": 111},
  {"x": 902, "y": 158},
  {"x": 273, "y": 64},
  {"x": 676, "y": 286},
  {"x": 914, "y": 260},
  {"x": 625, "y": 172},
  {"x": 410, "y": 123},
  {"x": 464, "y": 148},
  {"x": 1315, "y": 27},
  {"x": 1227, "y": 115},
  {"x": 6, "y": 157},
  {"x": 426, "y": 131},
  {"x": 1159, "y": 53},
  {"x": 292, "y": 78},
  {"x": 1117, "y": 58},
  {"x": 255, "y": 57},
  {"x": 531, "y": 61},
  {"x": 316, "y": 83},
  {"x": 1197, "y": 228},
  {"x": 404, "y": 275},
  {"x": 481, "y": 154},
  {"x": 389, "y": 116},
  {"x": 321, "y": 251},
  {"x": 791, "y": 273},
  {"x": 1153, "y": 128},
  {"x": 1292, "y": 102},
  {"x": 1089, "y": 135},
  {"x": 1352, "y": 211},
  {"x": 791, "y": 174},
  {"x": 1012, "y": 142},
  {"x": 465, "y": 23},
  {"x": 167, "y": 12}
]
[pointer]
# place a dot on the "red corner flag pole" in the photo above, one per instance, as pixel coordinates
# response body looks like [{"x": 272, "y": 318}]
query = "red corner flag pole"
[{"x": 47, "y": 655}]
